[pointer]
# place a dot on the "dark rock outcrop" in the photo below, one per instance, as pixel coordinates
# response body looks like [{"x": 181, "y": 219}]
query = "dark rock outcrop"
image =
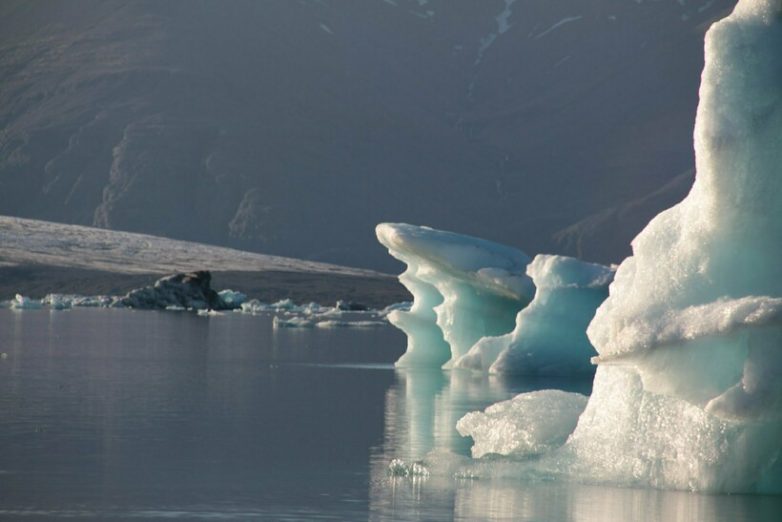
[{"x": 192, "y": 290}]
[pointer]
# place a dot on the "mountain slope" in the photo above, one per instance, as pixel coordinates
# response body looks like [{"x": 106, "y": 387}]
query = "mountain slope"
[
  {"x": 294, "y": 127},
  {"x": 39, "y": 257}
]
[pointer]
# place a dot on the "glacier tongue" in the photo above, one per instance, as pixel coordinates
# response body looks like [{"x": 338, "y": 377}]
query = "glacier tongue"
[{"x": 464, "y": 289}]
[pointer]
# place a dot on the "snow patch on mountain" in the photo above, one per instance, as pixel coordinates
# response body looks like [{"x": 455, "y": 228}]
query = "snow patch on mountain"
[{"x": 28, "y": 241}]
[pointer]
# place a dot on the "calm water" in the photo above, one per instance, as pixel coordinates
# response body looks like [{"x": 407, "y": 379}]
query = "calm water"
[{"x": 122, "y": 415}]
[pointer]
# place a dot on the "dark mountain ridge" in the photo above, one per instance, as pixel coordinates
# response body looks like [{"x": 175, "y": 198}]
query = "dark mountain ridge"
[{"x": 292, "y": 127}]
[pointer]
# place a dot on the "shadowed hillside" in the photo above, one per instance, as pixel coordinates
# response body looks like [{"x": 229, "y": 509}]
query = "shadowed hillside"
[{"x": 292, "y": 127}]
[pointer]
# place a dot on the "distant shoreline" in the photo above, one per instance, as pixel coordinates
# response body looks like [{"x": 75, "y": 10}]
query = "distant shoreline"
[{"x": 35, "y": 280}]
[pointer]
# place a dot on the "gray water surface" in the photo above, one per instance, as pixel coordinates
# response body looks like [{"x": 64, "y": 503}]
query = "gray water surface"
[{"x": 123, "y": 415}]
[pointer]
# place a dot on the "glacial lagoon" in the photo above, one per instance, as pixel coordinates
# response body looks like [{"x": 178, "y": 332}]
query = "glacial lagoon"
[{"x": 131, "y": 415}]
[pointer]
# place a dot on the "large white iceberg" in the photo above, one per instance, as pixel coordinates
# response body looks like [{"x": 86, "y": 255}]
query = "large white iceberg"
[
  {"x": 688, "y": 392},
  {"x": 550, "y": 334},
  {"x": 696, "y": 311},
  {"x": 690, "y": 338},
  {"x": 464, "y": 289}
]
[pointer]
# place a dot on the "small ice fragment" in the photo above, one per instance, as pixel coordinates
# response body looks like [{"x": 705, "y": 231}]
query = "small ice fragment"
[{"x": 21, "y": 302}]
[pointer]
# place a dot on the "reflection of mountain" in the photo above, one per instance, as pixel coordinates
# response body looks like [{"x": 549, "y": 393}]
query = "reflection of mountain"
[{"x": 245, "y": 123}]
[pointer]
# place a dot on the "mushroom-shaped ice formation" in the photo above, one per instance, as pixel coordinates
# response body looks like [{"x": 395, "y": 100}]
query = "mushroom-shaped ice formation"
[{"x": 464, "y": 288}]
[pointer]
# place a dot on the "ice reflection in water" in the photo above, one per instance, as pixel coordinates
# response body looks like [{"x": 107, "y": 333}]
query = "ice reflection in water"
[{"x": 422, "y": 408}]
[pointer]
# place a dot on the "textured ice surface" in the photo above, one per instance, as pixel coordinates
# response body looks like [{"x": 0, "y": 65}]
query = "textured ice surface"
[
  {"x": 689, "y": 389},
  {"x": 464, "y": 288},
  {"x": 629, "y": 435},
  {"x": 350, "y": 324},
  {"x": 696, "y": 311},
  {"x": 231, "y": 299},
  {"x": 529, "y": 424},
  {"x": 404, "y": 306},
  {"x": 550, "y": 334},
  {"x": 292, "y": 322},
  {"x": 64, "y": 301}
]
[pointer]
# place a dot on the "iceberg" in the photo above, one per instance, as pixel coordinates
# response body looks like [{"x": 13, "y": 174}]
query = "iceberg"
[
  {"x": 254, "y": 306},
  {"x": 550, "y": 335},
  {"x": 690, "y": 337},
  {"x": 464, "y": 289},
  {"x": 58, "y": 301},
  {"x": 231, "y": 299},
  {"x": 21, "y": 302},
  {"x": 350, "y": 324},
  {"x": 696, "y": 313},
  {"x": 403, "y": 306},
  {"x": 67, "y": 301},
  {"x": 292, "y": 322},
  {"x": 529, "y": 424},
  {"x": 688, "y": 388}
]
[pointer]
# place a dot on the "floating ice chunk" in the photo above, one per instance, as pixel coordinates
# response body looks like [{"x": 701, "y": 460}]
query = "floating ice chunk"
[
  {"x": 399, "y": 468},
  {"x": 529, "y": 424},
  {"x": 404, "y": 306},
  {"x": 254, "y": 306},
  {"x": 65, "y": 301},
  {"x": 21, "y": 302},
  {"x": 550, "y": 334},
  {"x": 292, "y": 322},
  {"x": 350, "y": 324},
  {"x": 94, "y": 301},
  {"x": 58, "y": 301},
  {"x": 283, "y": 304},
  {"x": 231, "y": 299},
  {"x": 209, "y": 313},
  {"x": 314, "y": 309},
  {"x": 464, "y": 288}
]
